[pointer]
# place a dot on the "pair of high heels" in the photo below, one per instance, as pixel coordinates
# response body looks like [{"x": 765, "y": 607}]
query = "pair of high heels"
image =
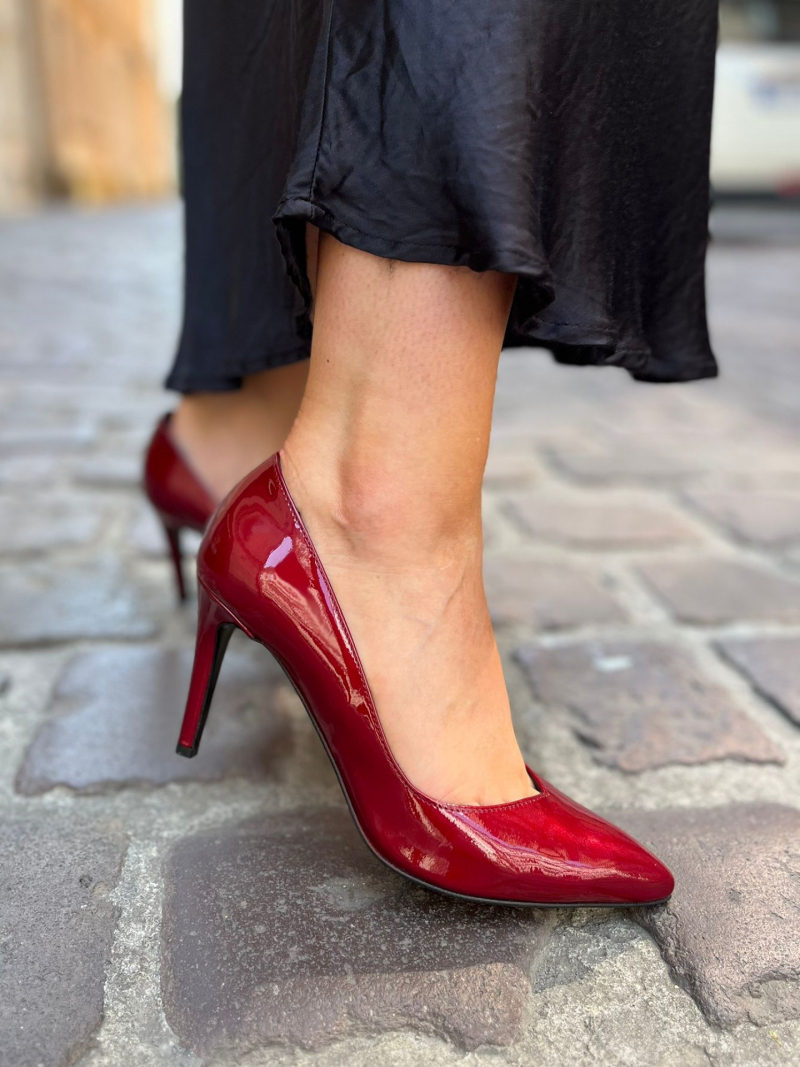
[{"x": 258, "y": 571}]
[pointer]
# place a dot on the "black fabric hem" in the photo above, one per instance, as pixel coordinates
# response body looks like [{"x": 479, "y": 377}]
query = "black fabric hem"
[
  {"x": 588, "y": 345},
  {"x": 180, "y": 381}
]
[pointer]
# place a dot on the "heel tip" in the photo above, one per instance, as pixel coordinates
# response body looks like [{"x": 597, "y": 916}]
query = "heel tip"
[{"x": 186, "y": 750}]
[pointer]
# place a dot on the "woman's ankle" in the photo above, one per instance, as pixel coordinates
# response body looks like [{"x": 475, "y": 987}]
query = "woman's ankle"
[{"x": 377, "y": 510}]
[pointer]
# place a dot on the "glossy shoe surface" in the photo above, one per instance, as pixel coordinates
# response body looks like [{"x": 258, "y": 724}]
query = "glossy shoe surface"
[
  {"x": 259, "y": 571},
  {"x": 176, "y": 492}
]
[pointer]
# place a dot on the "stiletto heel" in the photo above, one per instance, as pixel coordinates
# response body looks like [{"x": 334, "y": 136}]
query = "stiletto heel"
[
  {"x": 258, "y": 569},
  {"x": 173, "y": 535},
  {"x": 215, "y": 626},
  {"x": 178, "y": 496}
]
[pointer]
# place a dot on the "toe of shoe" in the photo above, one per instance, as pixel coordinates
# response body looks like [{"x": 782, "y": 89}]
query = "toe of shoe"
[{"x": 640, "y": 877}]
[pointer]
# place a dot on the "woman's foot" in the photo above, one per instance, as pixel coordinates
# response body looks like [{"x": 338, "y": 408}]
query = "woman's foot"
[
  {"x": 412, "y": 594},
  {"x": 385, "y": 461},
  {"x": 225, "y": 435}
]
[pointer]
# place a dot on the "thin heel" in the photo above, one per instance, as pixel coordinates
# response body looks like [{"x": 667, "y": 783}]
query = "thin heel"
[
  {"x": 215, "y": 625},
  {"x": 173, "y": 535}
]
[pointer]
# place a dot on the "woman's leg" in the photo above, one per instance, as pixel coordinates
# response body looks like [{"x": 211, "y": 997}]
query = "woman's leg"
[
  {"x": 385, "y": 461},
  {"x": 226, "y": 435}
]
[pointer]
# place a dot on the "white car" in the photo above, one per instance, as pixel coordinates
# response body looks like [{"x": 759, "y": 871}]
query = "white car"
[{"x": 756, "y": 135}]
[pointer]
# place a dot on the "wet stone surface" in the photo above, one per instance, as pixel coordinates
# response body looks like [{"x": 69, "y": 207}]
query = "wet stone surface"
[
  {"x": 640, "y": 706},
  {"x": 116, "y": 715},
  {"x": 290, "y": 931},
  {"x": 772, "y": 665},
  {"x": 729, "y": 933},
  {"x": 56, "y": 929},
  {"x": 546, "y": 595},
  {"x": 714, "y": 591}
]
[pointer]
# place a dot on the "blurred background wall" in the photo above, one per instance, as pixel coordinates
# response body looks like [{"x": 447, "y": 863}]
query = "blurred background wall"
[
  {"x": 87, "y": 99},
  {"x": 88, "y": 93}
]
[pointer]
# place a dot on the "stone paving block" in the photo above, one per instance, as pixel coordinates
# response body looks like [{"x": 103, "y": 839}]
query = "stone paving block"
[
  {"x": 290, "y": 931},
  {"x": 607, "y": 525},
  {"x": 772, "y": 665},
  {"x": 56, "y": 929},
  {"x": 511, "y": 467},
  {"x": 582, "y": 941},
  {"x": 730, "y": 932},
  {"x": 638, "y": 707},
  {"x": 39, "y": 525},
  {"x": 43, "y": 602},
  {"x": 145, "y": 534},
  {"x": 675, "y": 457},
  {"x": 768, "y": 519},
  {"x": 36, "y": 470},
  {"x": 111, "y": 470},
  {"x": 597, "y": 461},
  {"x": 549, "y": 595},
  {"x": 47, "y": 438},
  {"x": 712, "y": 591},
  {"x": 147, "y": 537},
  {"x": 116, "y": 714}
]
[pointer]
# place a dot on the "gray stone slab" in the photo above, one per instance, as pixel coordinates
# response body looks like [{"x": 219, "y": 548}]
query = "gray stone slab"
[
  {"x": 111, "y": 470},
  {"x": 290, "y": 931},
  {"x": 730, "y": 932},
  {"x": 56, "y": 929},
  {"x": 644, "y": 706},
  {"x": 579, "y": 944},
  {"x": 41, "y": 437},
  {"x": 511, "y": 466},
  {"x": 772, "y": 665},
  {"x": 546, "y": 595},
  {"x": 43, "y": 603},
  {"x": 39, "y": 525},
  {"x": 147, "y": 536},
  {"x": 768, "y": 519},
  {"x": 601, "y": 460},
  {"x": 28, "y": 471},
  {"x": 677, "y": 456},
  {"x": 607, "y": 525},
  {"x": 710, "y": 591},
  {"x": 117, "y": 713}
]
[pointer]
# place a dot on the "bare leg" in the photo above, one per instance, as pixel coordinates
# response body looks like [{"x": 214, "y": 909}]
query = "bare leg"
[
  {"x": 312, "y": 259},
  {"x": 226, "y": 435},
  {"x": 386, "y": 460}
]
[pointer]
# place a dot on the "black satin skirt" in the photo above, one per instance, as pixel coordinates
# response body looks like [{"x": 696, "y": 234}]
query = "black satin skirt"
[{"x": 564, "y": 141}]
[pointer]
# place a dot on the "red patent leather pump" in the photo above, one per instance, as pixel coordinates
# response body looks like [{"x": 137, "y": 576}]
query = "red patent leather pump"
[
  {"x": 179, "y": 497},
  {"x": 259, "y": 571}
]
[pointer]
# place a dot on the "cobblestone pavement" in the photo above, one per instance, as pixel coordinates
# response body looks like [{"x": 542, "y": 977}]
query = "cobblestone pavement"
[{"x": 644, "y": 570}]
